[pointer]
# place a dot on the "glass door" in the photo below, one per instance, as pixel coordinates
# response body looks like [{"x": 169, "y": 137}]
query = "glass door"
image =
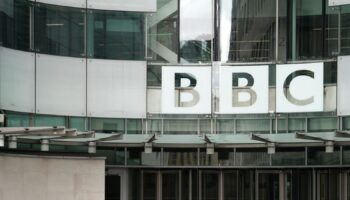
[
  {"x": 149, "y": 180},
  {"x": 328, "y": 184},
  {"x": 170, "y": 185},
  {"x": 160, "y": 185},
  {"x": 209, "y": 185},
  {"x": 273, "y": 185}
]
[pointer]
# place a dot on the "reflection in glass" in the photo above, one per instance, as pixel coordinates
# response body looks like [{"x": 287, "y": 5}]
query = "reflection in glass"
[
  {"x": 149, "y": 186},
  {"x": 115, "y": 35},
  {"x": 288, "y": 157},
  {"x": 230, "y": 185},
  {"x": 314, "y": 30},
  {"x": 14, "y": 24},
  {"x": 249, "y": 157},
  {"x": 170, "y": 186},
  {"x": 247, "y": 30},
  {"x": 180, "y": 126},
  {"x": 180, "y": 157},
  {"x": 162, "y": 29},
  {"x": 112, "y": 187},
  {"x": 59, "y": 30},
  {"x": 196, "y": 30},
  {"x": 318, "y": 156},
  {"x": 268, "y": 186},
  {"x": 210, "y": 185},
  {"x": 104, "y": 125},
  {"x": 345, "y": 30},
  {"x": 134, "y": 126}
]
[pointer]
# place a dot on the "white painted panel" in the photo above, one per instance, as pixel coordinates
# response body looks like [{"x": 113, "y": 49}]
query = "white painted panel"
[
  {"x": 17, "y": 80},
  {"x": 68, "y": 3},
  {"x": 61, "y": 85},
  {"x": 338, "y": 2},
  {"x": 116, "y": 88},
  {"x": 343, "y": 85},
  {"x": 123, "y": 5}
]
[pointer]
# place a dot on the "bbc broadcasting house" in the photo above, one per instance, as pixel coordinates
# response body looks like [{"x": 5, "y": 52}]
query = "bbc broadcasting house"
[{"x": 174, "y": 100}]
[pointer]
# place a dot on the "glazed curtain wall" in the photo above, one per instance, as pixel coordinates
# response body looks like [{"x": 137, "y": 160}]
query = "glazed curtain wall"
[
  {"x": 58, "y": 30},
  {"x": 221, "y": 30}
]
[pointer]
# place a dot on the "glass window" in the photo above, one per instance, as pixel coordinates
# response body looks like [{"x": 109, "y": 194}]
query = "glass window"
[
  {"x": 226, "y": 126},
  {"x": 318, "y": 156},
  {"x": 253, "y": 125},
  {"x": 322, "y": 124},
  {"x": 115, "y": 35},
  {"x": 113, "y": 156},
  {"x": 247, "y": 30},
  {"x": 288, "y": 156},
  {"x": 134, "y": 126},
  {"x": 314, "y": 30},
  {"x": 59, "y": 30},
  {"x": 18, "y": 120},
  {"x": 154, "y": 76},
  {"x": 46, "y": 120},
  {"x": 14, "y": 24},
  {"x": 180, "y": 157},
  {"x": 162, "y": 26},
  {"x": 345, "y": 30},
  {"x": 154, "y": 126},
  {"x": 78, "y": 123},
  {"x": 180, "y": 126},
  {"x": 296, "y": 124},
  {"x": 107, "y": 125},
  {"x": 196, "y": 30},
  {"x": 205, "y": 126},
  {"x": 346, "y": 123},
  {"x": 137, "y": 156},
  {"x": 252, "y": 157}
]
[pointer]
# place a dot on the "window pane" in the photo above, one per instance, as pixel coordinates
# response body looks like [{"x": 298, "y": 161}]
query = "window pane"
[
  {"x": 196, "y": 30},
  {"x": 14, "y": 24},
  {"x": 175, "y": 126},
  {"x": 297, "y": 124},
  {"x": 225, "y": 126},
  {"x": 115, "y": 35},
  {"x": 78, "y": 123},
  {"x": 247, "y": 30},
  {"x": 46, "y": 120},
  {"x": 253, "y": 125},
  {"x": 134, "y": 126},
  {"x": 162, "y": 32},
  {"x": 322, "y": 124},
  {"x": 345, "y": 30},
  {"x": 154, "y": 76},
  {"x": 318, "y": 156},
  {"x": 59, "y": 30},
  {"x": 107, "y": 125},
  {"x": 17, "y": 120}
]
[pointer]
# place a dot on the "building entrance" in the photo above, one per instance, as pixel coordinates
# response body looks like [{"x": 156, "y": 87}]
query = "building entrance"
[{"x": 241, "y": 184}]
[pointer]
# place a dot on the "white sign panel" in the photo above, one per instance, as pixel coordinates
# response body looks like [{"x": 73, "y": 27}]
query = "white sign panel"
[
  {"x": 343, "y": 85},
  {"x": 244, "y": 89},
  {"x": 338, "y": 2},
  {"x": 186, "y": 90},
  {"x": 299, "y": 87}
]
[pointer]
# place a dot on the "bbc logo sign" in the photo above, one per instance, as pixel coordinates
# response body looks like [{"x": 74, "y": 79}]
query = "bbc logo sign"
[{"x": 242, "y": 89}]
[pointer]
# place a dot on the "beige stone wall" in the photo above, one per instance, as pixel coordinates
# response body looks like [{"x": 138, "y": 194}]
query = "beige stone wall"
[{"x": 51, "y": 178}]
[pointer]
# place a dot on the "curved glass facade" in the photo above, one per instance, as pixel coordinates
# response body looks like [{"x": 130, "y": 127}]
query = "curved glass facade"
[{"x": 228, "y": 31}]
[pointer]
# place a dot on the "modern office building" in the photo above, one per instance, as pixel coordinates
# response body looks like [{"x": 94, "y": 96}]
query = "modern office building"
[{"x": 186, "y": 99}]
